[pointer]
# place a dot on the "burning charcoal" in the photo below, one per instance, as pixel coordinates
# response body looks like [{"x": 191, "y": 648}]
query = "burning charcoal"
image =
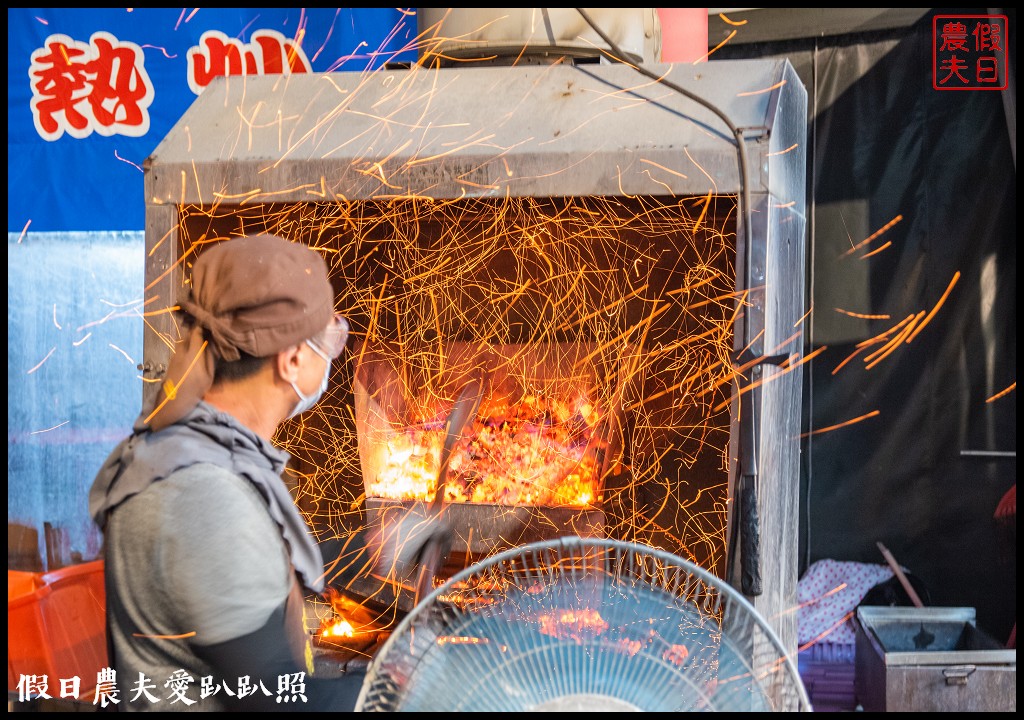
[
  {"x": 471, "y": 482},
  {"x": 538, "y": 451},
  {"x": 576, "y": 425}
]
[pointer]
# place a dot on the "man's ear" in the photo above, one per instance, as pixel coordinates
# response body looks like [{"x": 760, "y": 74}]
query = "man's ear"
[{"x": 287, "y": 362}]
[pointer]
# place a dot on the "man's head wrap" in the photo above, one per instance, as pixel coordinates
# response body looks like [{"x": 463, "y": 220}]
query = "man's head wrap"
[{"x": 256, "y": 295}]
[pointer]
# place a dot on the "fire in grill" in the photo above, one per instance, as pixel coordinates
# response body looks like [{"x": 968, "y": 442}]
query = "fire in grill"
[
  {"x": 541, "y": 451},
  {"x": 544, "y": 436}
]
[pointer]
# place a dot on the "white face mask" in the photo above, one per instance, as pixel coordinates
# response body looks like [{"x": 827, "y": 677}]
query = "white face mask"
[{"x": 305, "y": 403}]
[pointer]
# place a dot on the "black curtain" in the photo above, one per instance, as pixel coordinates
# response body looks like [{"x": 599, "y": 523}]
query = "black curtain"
[{"x": 931, "y": 173}]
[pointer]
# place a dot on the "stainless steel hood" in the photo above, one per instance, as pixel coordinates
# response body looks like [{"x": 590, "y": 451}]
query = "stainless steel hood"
[{"x": 545, "y": 131}]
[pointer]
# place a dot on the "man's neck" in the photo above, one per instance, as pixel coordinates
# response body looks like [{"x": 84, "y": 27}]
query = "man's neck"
[{"x": 250, "y": 402}]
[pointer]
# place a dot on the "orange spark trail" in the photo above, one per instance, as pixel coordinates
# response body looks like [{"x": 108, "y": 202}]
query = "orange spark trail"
[
  {"x": 803, "y": 317},
  {"x": 848, "y": 358},
  {"x": 762, "y": 91},
  {"x": 862, "y": 315},
  {"x": 813, "y": 601},
  {"x": 928, "y": 318},
  {"x": 877, "y": 250},
  {"x": 838, "y": 623},
  {"x": 715, "y": 48},
  {"x": 883, "y": 337},
  {"x": 879, "y": 355},
  {"x": 872, "y": 236},
  {"x": 657, "y": 165},
  {"x": 830, "y": 428},
  {"x": 171, "y": 389},
  {"x": 735, "y": 23},
  {"x": 1001, "y": 393},
  {"x": 161, "y": 311},
  {"x": 768, "y": 378}
]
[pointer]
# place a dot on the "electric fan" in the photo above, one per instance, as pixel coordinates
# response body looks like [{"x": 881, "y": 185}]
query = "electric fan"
[{"x": 583, "y": 624}]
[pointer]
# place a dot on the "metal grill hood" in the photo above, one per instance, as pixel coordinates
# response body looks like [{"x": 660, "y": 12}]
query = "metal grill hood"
[{"x": 543, "y": 131}]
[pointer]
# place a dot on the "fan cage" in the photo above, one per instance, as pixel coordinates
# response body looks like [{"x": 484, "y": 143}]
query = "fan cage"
[{"x": 583, "y": 624}]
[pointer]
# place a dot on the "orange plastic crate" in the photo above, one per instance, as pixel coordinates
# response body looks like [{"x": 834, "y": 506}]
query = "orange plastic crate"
[{"x": 56, "y": 626}]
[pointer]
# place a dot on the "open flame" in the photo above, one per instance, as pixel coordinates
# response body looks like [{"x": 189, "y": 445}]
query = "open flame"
[
  {"x": 339, "y": 628},
  {"x": 541, "y": 451}
]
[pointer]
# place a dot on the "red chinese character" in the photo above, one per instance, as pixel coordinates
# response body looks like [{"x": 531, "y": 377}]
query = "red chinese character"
[
  {"x": 269, "y": 53},
  {"x": 278, "y": 52},
  {"x": 987, "y": 69},
  {"x": 59, "y": 86},
  {"x": 954, "y": 35},
  {"x": 79, "y": 87},
  {"x": 116, "y": 95},
  {"x": 987, "y": 36},
  {"x": 954, "y": 65},
  {"x": 216, "y": 55}
]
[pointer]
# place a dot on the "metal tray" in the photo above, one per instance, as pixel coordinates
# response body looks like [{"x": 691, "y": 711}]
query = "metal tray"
[{"x": 931, "y": 636}]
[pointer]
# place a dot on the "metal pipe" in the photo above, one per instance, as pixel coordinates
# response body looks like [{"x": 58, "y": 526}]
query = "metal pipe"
[{"x": 748, "y": 476}]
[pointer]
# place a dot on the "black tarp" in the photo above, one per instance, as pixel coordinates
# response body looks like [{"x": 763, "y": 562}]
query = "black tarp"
[{"x": 934, "y": 171}]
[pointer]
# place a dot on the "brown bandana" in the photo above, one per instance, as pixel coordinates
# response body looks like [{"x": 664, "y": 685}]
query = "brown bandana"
[{"x": 257, "y": 295}]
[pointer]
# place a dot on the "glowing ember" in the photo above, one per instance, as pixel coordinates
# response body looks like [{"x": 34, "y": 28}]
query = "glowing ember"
[
  {"x": 629, "y": 647},
  {"x": 572, "y": 624},
  {"x": 541, "y": 452},
  {"x": 462, "y": 640},
  {"x": 675, "y": 654}
]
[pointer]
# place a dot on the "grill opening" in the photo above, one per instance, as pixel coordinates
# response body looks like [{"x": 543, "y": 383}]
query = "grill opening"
[{"x": 605, "y": 326}]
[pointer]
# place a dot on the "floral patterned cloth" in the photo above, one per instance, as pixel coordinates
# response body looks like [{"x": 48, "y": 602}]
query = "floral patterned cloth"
[{"x": 828, "y": 595}]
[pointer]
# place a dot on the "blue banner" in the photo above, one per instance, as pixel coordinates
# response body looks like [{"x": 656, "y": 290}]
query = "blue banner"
[{"x": 92, "y": 91}]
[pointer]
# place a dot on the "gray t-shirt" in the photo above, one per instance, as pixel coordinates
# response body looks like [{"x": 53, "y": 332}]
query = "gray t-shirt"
[{"x": 193, "y": 559}]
